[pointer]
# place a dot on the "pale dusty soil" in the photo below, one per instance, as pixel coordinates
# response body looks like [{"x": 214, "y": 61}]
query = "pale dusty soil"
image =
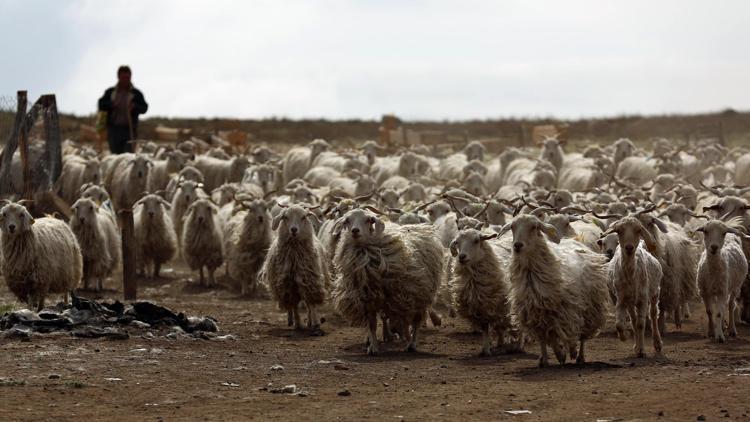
[{"x": 182, "y": 379}]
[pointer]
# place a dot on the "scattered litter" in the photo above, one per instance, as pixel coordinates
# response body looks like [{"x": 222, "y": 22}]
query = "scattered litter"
[
  {"x": 277, "y": 367},
  {"x": 518, "y": 412},
  {"x": 344, "y": 393},
  {"x": 230, "y": 384},
  {"x": 287, "y": 389},
  {"x": 113, "y": 379}
]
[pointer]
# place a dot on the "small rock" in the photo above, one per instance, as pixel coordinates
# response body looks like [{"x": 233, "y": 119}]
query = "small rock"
[
  {"x": 661, "y": 413},
  {"x": 139, "y": 324},
  {"x": 54, "y": 376},
  {"x": 277, "y": 367},
  {"x": 344, "y": 393},
  {"x": 340, "y": 367},
  {"x": 701, "y": 418},
  {"x": 230, "y": 384}
]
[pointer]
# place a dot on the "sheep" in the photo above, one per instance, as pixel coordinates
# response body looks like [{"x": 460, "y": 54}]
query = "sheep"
[
  {"x": 480, "y": 290},
  {"x": 187, "y": 193},
  {"x": 216, "y": 171},
  {"x": 155, "y": 238},
  {"x": 475, "y": 150},
  {"x": 558, "y": 288},
  {"x": 636, "y": 277},
  {"x": 129, "y": 179},
  {"x": 247, "y": 238},
  {"x": 298, "y": 160},
  {"x": 202, "y": 241},
  {"x": 161, "y": 171},
  {"x": 77, "y": 172},
  {"x": 638, "y": 170},
  {"x": 95, "y": 192},
  {"x": 295, "y": 269},
  {"x": 187, "y": 173},
  {"x": 99, "y": 240},
  {"x": 385, "y": 269},
  {"x": 264, "y": 175},
  {"x": 721, "y": 272},
  {"x": 39, "y": 256},
  {"x": 742, "y": 170}
]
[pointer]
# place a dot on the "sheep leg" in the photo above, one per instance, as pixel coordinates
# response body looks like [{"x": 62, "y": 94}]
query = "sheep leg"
[
  {"x": 99, "y": 284},
  {"x": 678, "y": 317},
  {"x": 719, "y": 319},
  {"x": 416, "y": 323},
  {"x": 211, "y": 278},
  {"x": 655, "y": 333},
  {"x": 313, "y": 322},
  {"x": 297, "y": 318},
  {"x": 543, "y": 358},
  {"x": 580, "y": 360},
  {"x": 372, "y": 322},
  {"x": 573, "y": 351},
  {"x": 709, "y": 316},
  {"x": 686, "y": 310},
  {"x": 202, "y": 281},
  {"x": 639, "y": 328},
  {"x": 620, "y": 320},
  {"x": 157, "y": 268},
  {"x": 387, "y": 334},
  {"x": 662, "y": 318},
  {"x": 486, "y": 341},
  {"x": 289, "y": 318},
  {"x": 435, "y": 318},
  {"x": 732, "y": 310}
]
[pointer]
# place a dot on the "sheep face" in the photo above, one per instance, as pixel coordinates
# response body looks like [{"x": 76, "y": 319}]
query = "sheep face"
[
  {"x": 677, "y": 213},
  {"x": 629, "y": 232},
  {"x": 474, "y": 184},
  {"x": 191, "y": 173},
  {"x": 475, "y": 166},
  {"x": 303, "y": 194},
  {"x": 294, "y": 222},
  {"x": 360, "y": 225},
  {"x": 224, "y": 193},
  {"x": 714, "y": 234},
  {"x": 561, "y": 198},
  {"x": 140, "y": 166},
  {"x": 561, "y": 222},
  {"x": 153, "y": 205},
  {"x": 202, "y": 211},
  {"x": 257, "y": 211},
  {"x": 474, "y": 151},
  {"x": 316, "y": 147},
  {"x": 608, "y": 245},
  {"x": 437, "y": 210},
  {"x": 188, "y": 190},
  {"x": 92, "y": 171},
  {"x": 552, "y": 152},
  {"x": 84, "y": 210},
  {"x": 544, "y": 179},
  {"x": 414, "y": 193},
  {"x": 365, "y": 185},
  {"x": 495, "y": 213},
  {"x": 14, "y": 219},
  {"x": 467, "y": 246},
  {"x": 409, "y": 165},
  {"x": 261, "y": 154},
  {"x": 188, "y": 147},
  {"x": 369, "y": 149},
  {"x": 624, "y": 148},
  {"x": 176, "y": 161},
  {"x": 389, "y": 198},
  {"x": 528, "y": 233}
]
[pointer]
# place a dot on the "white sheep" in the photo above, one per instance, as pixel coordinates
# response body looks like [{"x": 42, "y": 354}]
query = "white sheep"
[
  {"x": 480, "y": 289},
  {"x": 202, "y": 241},
  {"x": 77, "y": 172},
  {"x": 389, "y": 270},
  {"x": 155, "y": 238},
  {"x": 99, "y": 240},
  {"x": 127, "y": 179},
  {"x": 216, "y": 171},
  {"x": 39, "y": 256},
  {"x": 162, "y": 170},
  {"x": 187, "y": 193},
  {"x": 298, "y": 160},
  {"x": 721, "y": 272},
  {"x": 187, "y": 173},
  {"x": 636, "y": 277},
  {"x": 295, "y": 269},
  {"x": 247, "y": 237},
  {"x": 558, "y": 288}
]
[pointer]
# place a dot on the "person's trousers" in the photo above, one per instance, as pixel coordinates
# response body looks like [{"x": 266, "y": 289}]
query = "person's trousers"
[{"x": 118, "y": 138}]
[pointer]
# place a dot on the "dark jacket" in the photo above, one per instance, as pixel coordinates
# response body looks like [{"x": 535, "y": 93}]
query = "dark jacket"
[{"x": 139, "y": 104}]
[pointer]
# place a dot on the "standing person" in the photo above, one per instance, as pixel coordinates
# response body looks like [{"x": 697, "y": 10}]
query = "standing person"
[{"x": 122, "y": 103}]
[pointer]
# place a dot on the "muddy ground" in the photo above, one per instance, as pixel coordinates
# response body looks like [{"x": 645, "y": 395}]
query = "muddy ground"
[{"x": 65, "y": 378}]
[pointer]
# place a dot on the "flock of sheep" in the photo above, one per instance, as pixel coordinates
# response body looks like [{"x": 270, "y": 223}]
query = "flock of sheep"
[{"x": 533, "y": 245}]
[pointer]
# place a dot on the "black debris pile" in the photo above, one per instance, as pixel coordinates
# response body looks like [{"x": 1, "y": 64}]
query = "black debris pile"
[{"x": 90, "y": 319}]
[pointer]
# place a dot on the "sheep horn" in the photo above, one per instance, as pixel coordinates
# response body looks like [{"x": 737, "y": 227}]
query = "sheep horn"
[
  {"x": 373, "y": 209},
  {"x": 425, "y": 205},
  {"x": 486, "y": 205},
  {"x": 488, "y": 236},
  {"x": 282, "y": 205},
  {"x": 694, "y": 215},
  {"x": 364, "y": 197}
]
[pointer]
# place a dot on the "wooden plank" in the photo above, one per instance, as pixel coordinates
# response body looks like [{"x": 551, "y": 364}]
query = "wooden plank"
[
  {"x": 129, "y": 280},
  {"x": 12, "y": 145}
]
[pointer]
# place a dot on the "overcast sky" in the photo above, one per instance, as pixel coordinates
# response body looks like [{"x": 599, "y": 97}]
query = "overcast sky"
[{"x": 359, "y": 59}]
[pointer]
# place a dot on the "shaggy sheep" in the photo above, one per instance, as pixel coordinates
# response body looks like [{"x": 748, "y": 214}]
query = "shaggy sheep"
[
  {"x": 636, "y": 278},
  {"x": 39, "y": 256},
  {"x": 202, "y": 242},
  {"x": 162, "y": 170},
  {"x": 216, "y": 172},
  {"x": 77, "y": 172},
  {"x": 155, "y": 238},
  {"x": 298, "y": 160},
  {"x": 558, "y": 291},
  {"x": 129, "y": 179},
  {"x": 99, "y": 240},
  {"x": 187, "y": 193},
  {"x": 480, "y": 290},
  {"x": 389, "y": 270},
  {"x": 721, "y": 271},
  {"x": 247, "y": 237},
  {"x": 295, "y": 269}
]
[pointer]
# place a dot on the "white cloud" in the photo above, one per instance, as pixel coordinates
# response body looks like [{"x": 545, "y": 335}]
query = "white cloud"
[{"x": 420, "y": 59}]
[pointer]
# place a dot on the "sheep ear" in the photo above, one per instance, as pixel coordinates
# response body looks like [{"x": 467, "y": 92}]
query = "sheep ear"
[
  {"x": 504, "y": 229},
  {"x": 314, "y": 217},
  {"x": 660, "y": 224},
  {"x": 551, "y": 232},
  {"x": 276, "y": 220},
  {"x": 454, "y": 248},
  {"x": 647, "y": 238},
  {"x": 379, "y": 226},
  {"x": 337, "y": 226},
  {"x": 599, "y": 242}
]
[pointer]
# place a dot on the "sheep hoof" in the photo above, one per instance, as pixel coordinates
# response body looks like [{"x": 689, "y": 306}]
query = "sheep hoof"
[
  {"x": 543, "y": 363},
  {"x": 411, "y": 348},
  {"x": 580, "y": 360},
  {"x": 640, "y": 354},
  {"x": 621, "y": 335},
  {"x": 485, "y": 353},
  {"x": 721, "y": 339},
  {"x": 372, "y": 351},
  {"x": 733, "y": 333}
]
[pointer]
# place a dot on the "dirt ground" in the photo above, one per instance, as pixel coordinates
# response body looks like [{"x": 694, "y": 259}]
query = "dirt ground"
[{"x": 64, "y": 378}]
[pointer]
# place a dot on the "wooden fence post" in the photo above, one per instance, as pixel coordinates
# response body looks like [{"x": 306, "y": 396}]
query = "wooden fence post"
[{"x": 129, "y": 280}]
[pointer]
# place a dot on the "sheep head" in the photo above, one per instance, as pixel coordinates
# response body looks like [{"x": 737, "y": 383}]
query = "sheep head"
[
  {"x": 15, "y": 219},
  {"x": 468, "y": 246}
]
